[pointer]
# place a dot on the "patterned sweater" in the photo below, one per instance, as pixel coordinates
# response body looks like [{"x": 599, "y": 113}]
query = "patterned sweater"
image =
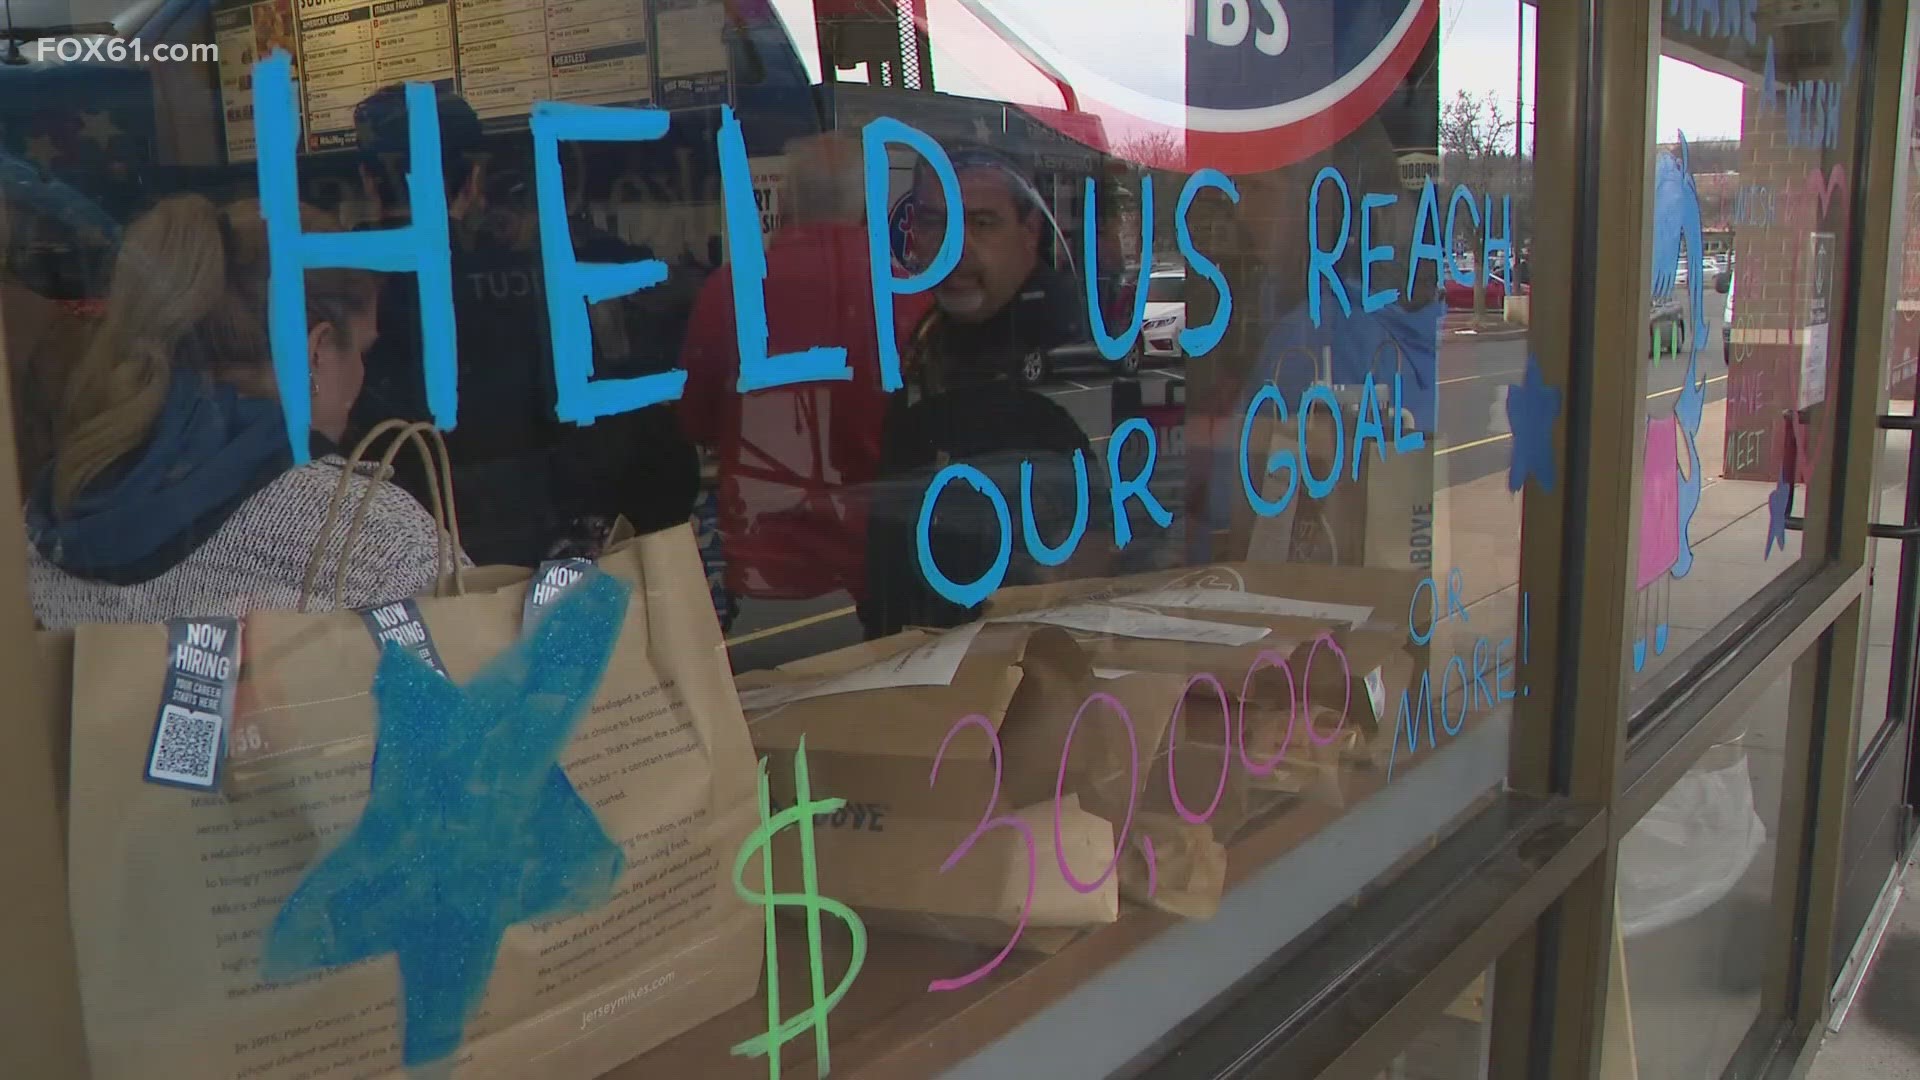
[{"x": 256, "y": 560}]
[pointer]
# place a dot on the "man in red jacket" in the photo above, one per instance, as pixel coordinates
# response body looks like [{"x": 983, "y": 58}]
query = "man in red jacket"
[{"x": 794, "y": 461}]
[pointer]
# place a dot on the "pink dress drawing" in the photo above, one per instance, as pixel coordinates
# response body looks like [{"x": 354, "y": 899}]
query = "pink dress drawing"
[{"x": 1660, "y": 501}]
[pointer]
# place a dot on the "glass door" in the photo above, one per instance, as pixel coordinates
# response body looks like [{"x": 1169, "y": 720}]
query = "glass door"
[{"x": 1879, "y": 816}]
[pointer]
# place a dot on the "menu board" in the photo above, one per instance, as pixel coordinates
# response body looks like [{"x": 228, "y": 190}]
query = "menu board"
[
  {"x": 516, "y": 52},
  {"x": 245, "y": 33},
  {"x": 503, "y": 55},
  {"x": 599, "y": 51},
  {"x": 693, "y": 52},
  {"x": 350, "y": 48}
]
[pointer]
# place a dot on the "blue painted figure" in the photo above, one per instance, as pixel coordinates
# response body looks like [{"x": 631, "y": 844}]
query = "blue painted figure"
[
  {"x": 470, "y": 826},
  {"x": 1671, "y": 481}
]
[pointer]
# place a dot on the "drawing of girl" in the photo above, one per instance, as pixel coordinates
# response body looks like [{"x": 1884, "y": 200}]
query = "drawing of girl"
[{"x": 1670, "y": 476}]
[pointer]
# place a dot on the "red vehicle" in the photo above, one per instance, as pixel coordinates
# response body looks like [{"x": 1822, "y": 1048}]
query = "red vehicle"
[{"x": 1460, "y": 297}]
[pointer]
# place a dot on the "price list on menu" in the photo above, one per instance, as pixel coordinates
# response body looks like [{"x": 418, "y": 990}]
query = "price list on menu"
[
  {"x": 599, "y": 51},
  {"x": 516, "y": 52},
  {"x": 351, "y": 49},
  {"x": 504, "y": 55}
]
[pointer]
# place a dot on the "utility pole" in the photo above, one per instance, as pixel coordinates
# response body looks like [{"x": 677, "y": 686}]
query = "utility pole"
[
  {"x": 1519, "y": 126},
  {"x": 1519, "y": 85}
]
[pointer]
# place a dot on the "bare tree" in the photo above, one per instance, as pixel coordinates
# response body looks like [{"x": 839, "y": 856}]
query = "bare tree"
[
  {"x": 1155, "y": 149},
  {"x": 1476, "y": 148},
  {"x": 1477, "y": 127}
]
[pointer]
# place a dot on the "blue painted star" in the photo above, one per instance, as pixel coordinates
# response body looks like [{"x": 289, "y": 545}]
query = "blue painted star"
[
  {"x": 470, "y": 826},
  {"x": 1779, "y": 505},
  {"x": 1532, "y": 409}
]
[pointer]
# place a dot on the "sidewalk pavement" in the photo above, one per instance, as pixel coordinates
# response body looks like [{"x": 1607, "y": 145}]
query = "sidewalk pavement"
[{"x": 1880, "y": 1038}]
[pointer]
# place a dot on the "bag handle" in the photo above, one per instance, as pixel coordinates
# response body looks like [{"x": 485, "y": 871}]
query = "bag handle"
[
  {"x": 439, "y": 476},
  {"x": 426, "y": 439},
  {"x": 1400, "y": 362}
]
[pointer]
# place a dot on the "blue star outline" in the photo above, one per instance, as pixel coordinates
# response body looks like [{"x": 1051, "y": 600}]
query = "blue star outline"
[{"x": 470, "y": 826}]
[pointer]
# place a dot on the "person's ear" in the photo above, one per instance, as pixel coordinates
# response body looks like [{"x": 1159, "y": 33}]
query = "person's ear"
[
  {"x": 470, "y": 196},
  {"x": 323, "y": 343}
]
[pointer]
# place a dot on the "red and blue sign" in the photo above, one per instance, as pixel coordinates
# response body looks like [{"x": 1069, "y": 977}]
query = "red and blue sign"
[{"x": 1259, "y": 83}]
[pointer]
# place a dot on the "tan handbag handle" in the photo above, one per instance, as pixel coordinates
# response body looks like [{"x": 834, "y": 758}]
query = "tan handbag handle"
[
  {"x": 439, "y": 488},
  {"x": 425, "y": 438},
  {"x": 334, "y": 504},
  {"x": 400, "y": 430}
]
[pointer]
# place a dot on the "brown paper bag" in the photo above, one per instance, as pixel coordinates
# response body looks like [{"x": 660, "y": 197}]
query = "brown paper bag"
[
  {"x": 1389, "y": 517},
  {"x": 888, "y": 870},
  {"x": 1188, "y": 874},
  {"x": 885, "y": 709},
  {"x": 174, "y": 893},
  {"x": 54, "y": 655},
  {"x": 1238, "y": 624}
]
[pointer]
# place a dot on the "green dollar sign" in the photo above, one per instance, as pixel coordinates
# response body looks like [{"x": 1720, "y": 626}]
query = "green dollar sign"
[{"x": 801, "y": 813}]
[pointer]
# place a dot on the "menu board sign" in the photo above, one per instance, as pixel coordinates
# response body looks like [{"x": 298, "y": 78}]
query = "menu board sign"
[
  {"x": 502, "y": 55},
  {"x": 350, "y": 48},
  {"x": 693, "y": 52}
]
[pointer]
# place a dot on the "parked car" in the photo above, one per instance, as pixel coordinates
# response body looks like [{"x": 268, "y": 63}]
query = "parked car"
[
  {"x": 1460, "y": 297},
  {"x": 1669, "y": 323},
  {"x": 1042, "y": 366},
  {"x": 1166, "y": 312},
  {"x": 1062, "y": 308}
]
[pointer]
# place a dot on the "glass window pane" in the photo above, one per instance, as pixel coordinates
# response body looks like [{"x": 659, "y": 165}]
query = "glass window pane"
[
  {"x": 1453, "y": 1045},
  {"x": 1891, "y": 475},
  {"x": 1066, "y": 447},
  {"x": 1752, "y": 196},
  {"x": 1699, "y": 900}
]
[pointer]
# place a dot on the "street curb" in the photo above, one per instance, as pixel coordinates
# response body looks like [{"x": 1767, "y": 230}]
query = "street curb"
[{"x": 1489, "y": 335}]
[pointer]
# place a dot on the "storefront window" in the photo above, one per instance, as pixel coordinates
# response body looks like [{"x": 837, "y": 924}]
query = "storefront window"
[
  {"x": 1054, "y": 471},
  {"x": 1701, "y": 899},
  {"x": 1752, "y": 197}
]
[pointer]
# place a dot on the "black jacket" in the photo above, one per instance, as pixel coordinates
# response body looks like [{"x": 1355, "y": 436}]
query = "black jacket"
[
  {"x": 982, "y": 418},
  {"x": 527, "y": 484}
]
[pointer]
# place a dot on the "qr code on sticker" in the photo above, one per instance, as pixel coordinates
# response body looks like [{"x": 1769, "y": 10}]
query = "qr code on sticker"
[{"x": 185, "y": 747}]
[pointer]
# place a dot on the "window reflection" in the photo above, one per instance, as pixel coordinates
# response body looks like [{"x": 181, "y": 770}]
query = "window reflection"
[{"x": 1196, "y": 474}]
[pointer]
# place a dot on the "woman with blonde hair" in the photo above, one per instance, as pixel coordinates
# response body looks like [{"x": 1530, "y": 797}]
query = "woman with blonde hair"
[{"x": 171, "y": 491}]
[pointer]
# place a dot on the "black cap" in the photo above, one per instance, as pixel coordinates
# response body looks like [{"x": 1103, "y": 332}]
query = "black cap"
[{"x": 380, "y": 122}]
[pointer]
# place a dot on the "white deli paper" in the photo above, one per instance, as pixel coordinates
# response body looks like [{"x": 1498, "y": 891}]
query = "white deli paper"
[
  {"x": 1246, "y": 603},
  {"x": 932, "y": 664},
  {"x": 1131, "y": 622}
]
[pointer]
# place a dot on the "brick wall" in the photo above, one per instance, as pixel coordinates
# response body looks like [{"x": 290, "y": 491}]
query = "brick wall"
[{"x": 1773, "y": 252}]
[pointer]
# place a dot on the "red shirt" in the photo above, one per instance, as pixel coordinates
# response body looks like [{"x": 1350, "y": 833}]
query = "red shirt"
[{"x": 794, "y": 460}]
